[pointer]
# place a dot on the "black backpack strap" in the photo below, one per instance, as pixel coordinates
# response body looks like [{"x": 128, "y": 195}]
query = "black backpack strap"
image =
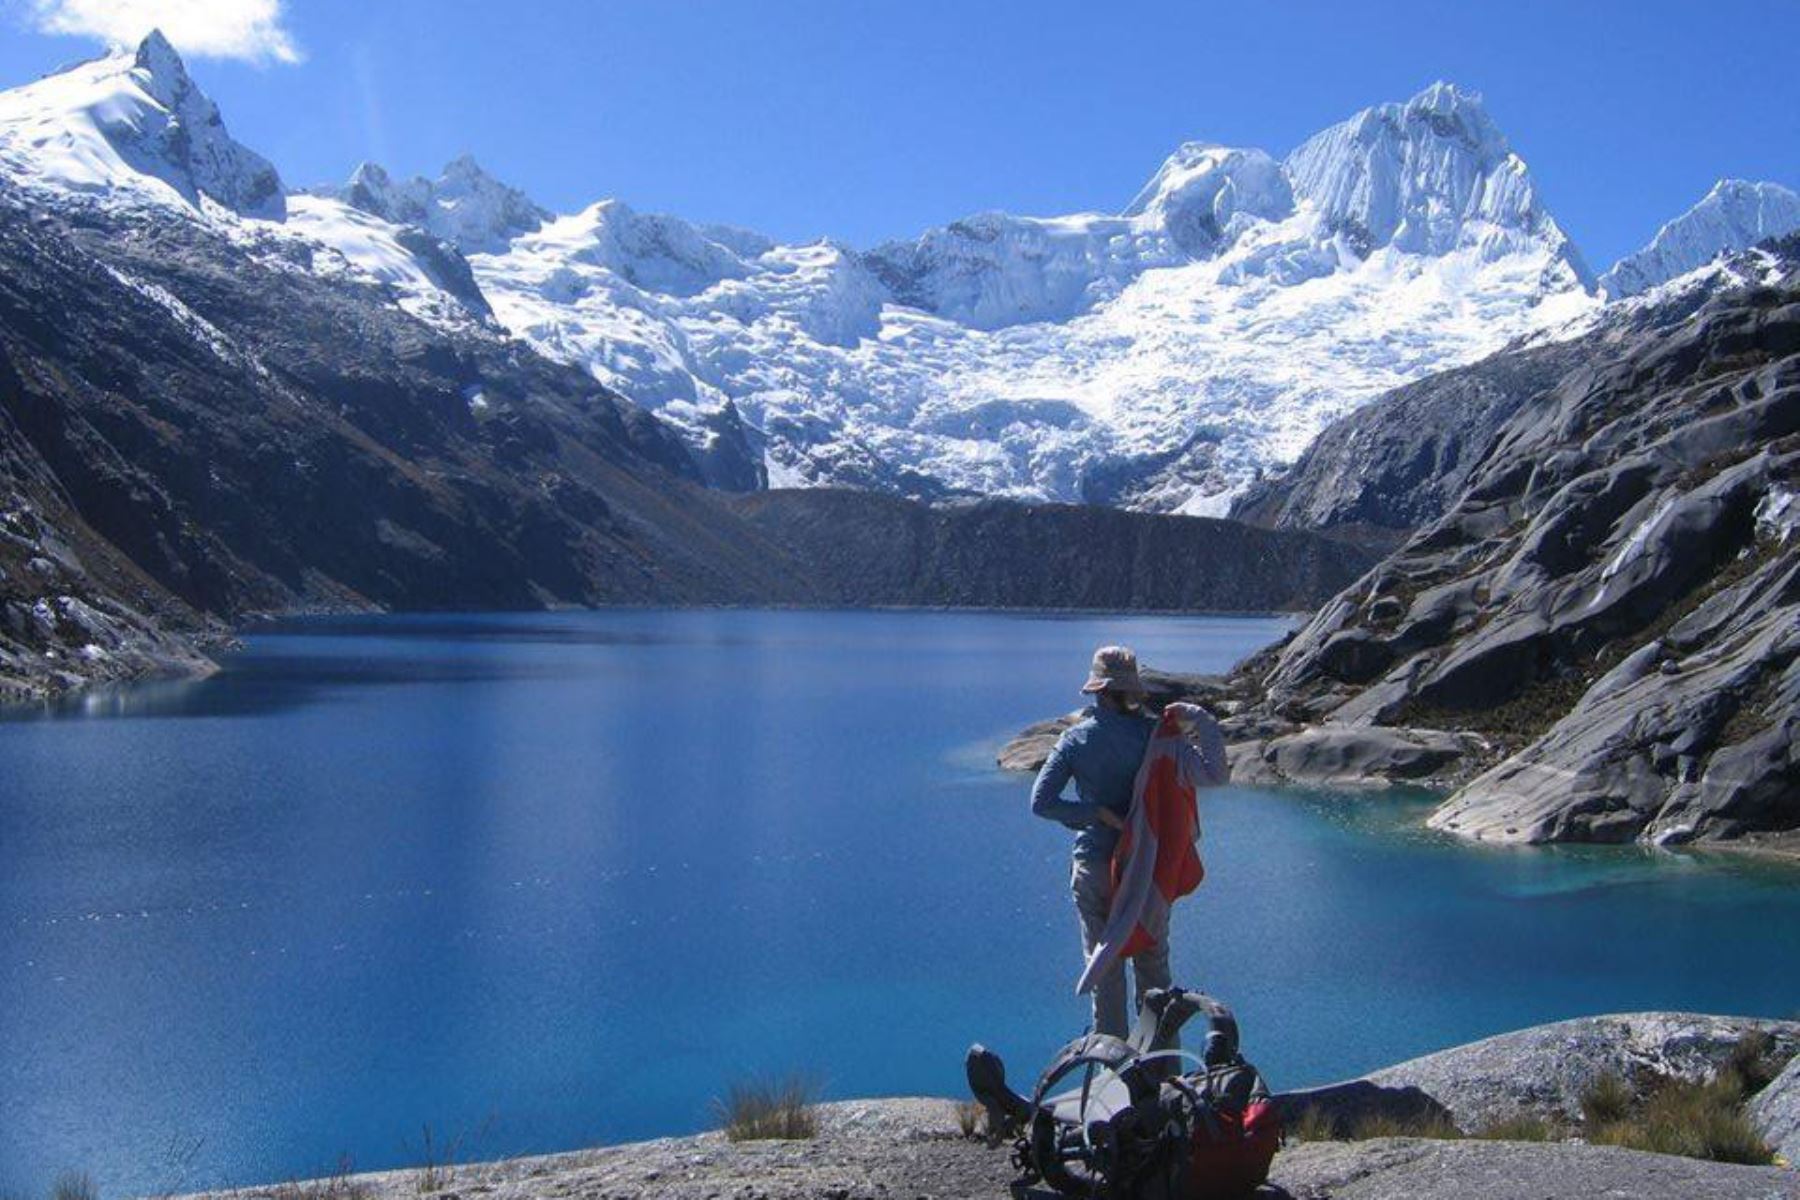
[{"x": 1166, "y": 1010}]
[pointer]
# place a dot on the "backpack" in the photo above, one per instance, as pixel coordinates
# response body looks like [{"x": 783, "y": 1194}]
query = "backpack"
[{"x": 1114, "y": 1118}]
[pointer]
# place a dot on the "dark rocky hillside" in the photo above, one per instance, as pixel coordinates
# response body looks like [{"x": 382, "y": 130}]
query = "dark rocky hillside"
[
  {"x": 72, "y": 608},
  {"x": 191, "y": 433},
  {"x": 1611, "y": 606},
  {"x": 873, "y": 549},
  {"x": 1401, "y": 461}
]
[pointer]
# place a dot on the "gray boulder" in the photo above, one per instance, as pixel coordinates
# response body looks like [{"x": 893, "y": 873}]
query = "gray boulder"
[
  {"x": 1775, "y": 1111},
  {"x": 1032, "y": 746},
  {"x": 1355, "y": 755}
]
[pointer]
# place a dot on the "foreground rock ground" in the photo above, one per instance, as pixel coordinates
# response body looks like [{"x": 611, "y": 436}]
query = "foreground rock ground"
[{"x": 894, "y": 1149}]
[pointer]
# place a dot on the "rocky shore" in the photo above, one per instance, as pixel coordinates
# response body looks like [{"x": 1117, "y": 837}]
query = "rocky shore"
[
  {"x": 1602, "y": 632},
  {"x": 890, "y": 1149}
]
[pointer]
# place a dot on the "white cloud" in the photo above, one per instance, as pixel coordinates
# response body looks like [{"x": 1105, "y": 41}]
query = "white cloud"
[{"x": 251, "y": 30}]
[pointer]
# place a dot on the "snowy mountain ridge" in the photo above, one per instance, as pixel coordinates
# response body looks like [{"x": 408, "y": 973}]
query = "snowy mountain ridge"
[
  {"x": 1733, "y": 216},
  {"x": 1162, "y": 356},
  {"x": 1158, "y": 357},
  {"x": 464, "y": 206}
]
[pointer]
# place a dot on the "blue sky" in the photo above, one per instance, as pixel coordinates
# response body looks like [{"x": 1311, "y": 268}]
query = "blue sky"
[{"x": 866, "y": 120}]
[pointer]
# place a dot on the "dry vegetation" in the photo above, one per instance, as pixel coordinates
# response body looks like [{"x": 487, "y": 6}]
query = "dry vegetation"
[
  {"x": 769, "y": 1109},
  {"x": 1685, "y": 1117}
]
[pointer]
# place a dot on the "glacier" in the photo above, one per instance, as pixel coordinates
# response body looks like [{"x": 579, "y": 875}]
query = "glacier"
[{"x": 1160, "y": 357}]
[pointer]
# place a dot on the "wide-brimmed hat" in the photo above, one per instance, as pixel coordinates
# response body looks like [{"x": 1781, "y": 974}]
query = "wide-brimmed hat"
[{"x": 1115, "y": 669}]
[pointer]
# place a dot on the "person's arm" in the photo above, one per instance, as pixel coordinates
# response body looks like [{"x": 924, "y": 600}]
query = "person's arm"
[
  {"x": 1046, "y": 793},
  {"x": 1202, "y": 730}
]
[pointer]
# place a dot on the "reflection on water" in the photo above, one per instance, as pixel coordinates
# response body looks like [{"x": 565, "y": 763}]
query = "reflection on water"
[{"x": 562, "y": 878}]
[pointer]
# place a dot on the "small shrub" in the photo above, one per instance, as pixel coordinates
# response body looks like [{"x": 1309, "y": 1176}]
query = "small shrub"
[
  {"x": 74, "y": 1185},
  {"x": 1606, "y": 1100},
  {"x": 1520, "y": 1127},
  {"x": 769, "y": 1109}
]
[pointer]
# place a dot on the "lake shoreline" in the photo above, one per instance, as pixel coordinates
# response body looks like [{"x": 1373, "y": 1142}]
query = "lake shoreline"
[{"x": 179, "y": 654}]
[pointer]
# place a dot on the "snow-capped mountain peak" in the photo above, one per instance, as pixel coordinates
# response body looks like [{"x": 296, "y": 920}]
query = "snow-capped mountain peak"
[
  {"x": 167, "y": 74},
  {"x": 133, "y": 122},
  {"x": 1429, "y": 176},
  {"x": 464, "y": 205},
  {"x": 1734, "y": 215}
]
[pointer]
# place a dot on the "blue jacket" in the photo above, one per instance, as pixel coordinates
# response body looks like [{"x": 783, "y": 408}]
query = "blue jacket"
[{"x": 1101, "y": 753}]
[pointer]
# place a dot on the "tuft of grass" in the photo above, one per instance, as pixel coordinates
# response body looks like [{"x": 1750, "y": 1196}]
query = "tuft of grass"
[
  {"x": 769, "y": 1109},
  {"x": 1312, "y": 1125},
  {"x": 1694, "y": 1120},
  {"x": 1680, "y": 1116},
  {"x": 437, "y": 1161},
  {"x": 341, "y": 1184},
  {"x": 1432, "y": 1125},
  {"x": 1520, "y": 1127},
  {"x": 1607, "y": 1100},
  {"x": 971, "y": 1119},
  {"x": 74, "y": 1185}
]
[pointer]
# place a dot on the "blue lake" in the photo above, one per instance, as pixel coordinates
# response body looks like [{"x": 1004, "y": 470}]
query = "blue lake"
[{"x": 544, "y": 881}]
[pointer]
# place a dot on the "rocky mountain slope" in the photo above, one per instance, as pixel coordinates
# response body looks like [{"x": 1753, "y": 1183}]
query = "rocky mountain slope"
[
  {"x": 1401, "y": 460},
  {"x": 868, "y": 549},
  {"x": 1608, "y": 612},
  {"x": 73, "y": 609}
]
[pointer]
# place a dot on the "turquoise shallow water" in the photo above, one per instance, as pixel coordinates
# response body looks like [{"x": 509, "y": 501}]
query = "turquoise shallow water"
[{"x": 541, "y": 881}]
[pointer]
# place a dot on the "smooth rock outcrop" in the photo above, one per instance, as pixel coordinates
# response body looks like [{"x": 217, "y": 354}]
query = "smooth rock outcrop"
[
  {"x": 1355, "y": 755},
  {"x": 1775, "y": 1111},
  {"x": 1411, "y": 1169},
  {"x": 1543, "y": 1071}
]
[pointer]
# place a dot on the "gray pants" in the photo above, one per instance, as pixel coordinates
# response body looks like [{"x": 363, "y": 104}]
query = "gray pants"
[{"x": 1092, "y": 884}]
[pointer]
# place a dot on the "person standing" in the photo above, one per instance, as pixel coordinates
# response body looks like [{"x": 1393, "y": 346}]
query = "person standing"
[{"x": 1101, "y": 753}]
